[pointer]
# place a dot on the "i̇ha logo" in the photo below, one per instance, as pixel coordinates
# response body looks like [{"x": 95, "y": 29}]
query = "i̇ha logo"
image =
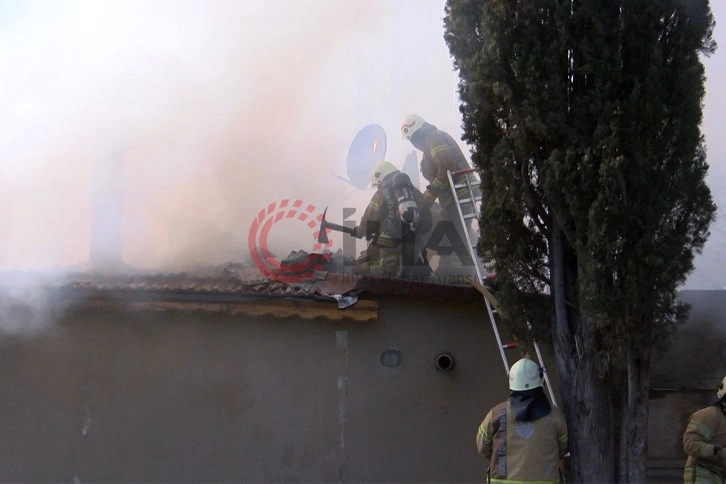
[{"x": 266, "y": 262}]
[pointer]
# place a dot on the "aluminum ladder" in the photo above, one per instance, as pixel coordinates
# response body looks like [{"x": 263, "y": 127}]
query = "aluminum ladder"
[{"x": 468, "y": 205}]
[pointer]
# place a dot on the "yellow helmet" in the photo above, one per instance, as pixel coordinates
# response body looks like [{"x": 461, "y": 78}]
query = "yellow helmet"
[
  {"x": 525, "y": 374},
  {"x": 381, "y": 171},
  {"x": 721, "y": 389},
  {"x": 410, "y": 125}
]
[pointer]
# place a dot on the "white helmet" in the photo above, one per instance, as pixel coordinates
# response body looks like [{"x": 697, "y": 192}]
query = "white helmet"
[
  {"x": 381, "y": 171},
  {"x": 525, "y": 375},
  {"x": 410, "y": 125},
  {"x": 721, "y": 389}
]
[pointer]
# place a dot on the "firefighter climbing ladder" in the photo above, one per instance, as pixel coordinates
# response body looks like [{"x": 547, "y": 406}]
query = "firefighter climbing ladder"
[{"x": 465, "y": 188}]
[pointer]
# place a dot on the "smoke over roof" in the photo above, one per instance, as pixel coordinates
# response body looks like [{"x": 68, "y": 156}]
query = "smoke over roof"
[{"x": 201, "y": 114}]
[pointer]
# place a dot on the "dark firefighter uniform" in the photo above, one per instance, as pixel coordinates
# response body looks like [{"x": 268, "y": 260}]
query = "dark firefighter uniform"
[
  {"x": 393, "y": 246},
  {"x": 441, "y": 154}
]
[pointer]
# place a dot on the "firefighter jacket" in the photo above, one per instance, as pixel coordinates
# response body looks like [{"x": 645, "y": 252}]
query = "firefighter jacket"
[
  {"x": 524, "y": 452},
  {"x": 381, "y": 221},
  {"x": 706, "y": 429},
  {"x": 441, "y": 154}
]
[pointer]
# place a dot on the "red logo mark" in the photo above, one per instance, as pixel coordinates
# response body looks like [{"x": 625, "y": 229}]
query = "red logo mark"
[{"x": 268, "y": 264}]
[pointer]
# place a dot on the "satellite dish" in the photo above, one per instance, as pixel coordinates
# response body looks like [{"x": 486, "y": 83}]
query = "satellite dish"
[{"x": 367, "y": 149}]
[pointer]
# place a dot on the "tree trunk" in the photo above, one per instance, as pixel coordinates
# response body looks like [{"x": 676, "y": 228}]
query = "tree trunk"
[
  {"x": 634, "y": 423},
  {"x": 586, "y": 398}
]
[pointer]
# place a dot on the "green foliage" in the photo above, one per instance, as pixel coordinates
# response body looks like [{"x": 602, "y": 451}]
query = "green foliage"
[{"x": 587, "y": 114}]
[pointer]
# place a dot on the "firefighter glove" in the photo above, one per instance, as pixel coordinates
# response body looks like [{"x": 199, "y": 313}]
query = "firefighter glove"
[{"x": 429, "y": 198}]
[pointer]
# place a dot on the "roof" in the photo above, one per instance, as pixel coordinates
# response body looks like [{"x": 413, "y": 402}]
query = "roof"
[{"x": 328, "y": 295}]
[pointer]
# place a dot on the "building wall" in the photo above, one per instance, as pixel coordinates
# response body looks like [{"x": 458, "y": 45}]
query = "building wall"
[
  {"x": 112, "y": 395},
  {"x": 686, "y": 371}
]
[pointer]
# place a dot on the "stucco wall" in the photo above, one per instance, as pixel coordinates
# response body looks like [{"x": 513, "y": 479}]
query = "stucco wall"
[
  {"x": 109, "y": 395},
  {"x": 694, "y": 357},
  {"x": 686, "y": 372},
  {"x": 112, "y": 395}
]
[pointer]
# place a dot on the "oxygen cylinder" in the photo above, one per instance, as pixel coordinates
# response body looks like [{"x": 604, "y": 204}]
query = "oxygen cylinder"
[{"x": 407, "y": 206}]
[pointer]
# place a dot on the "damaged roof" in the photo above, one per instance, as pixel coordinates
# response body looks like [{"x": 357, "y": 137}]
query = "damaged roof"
[{"x": 239, "y": 289}]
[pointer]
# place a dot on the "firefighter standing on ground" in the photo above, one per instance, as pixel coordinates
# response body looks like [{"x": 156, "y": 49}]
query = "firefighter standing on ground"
[
  {"x": 704, "y": 441},
  {"x": 524, "y": 438},
  {"x": 395, "y": 221}
]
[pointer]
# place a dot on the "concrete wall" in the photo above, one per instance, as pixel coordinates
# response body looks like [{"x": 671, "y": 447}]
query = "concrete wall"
[
  {"x": 686, "y": 372},
  {"x": 109, "y": 395},
  {"x": 694, "y": 357},
  {"x": 112, "y": 395}
]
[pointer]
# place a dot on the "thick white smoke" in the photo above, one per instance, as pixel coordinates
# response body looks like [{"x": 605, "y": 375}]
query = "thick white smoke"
[
  {"x": 199, "y": 114},
  {"x": 203, "y": 112}
]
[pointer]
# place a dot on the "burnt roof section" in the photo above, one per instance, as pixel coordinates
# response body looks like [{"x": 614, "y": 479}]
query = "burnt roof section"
[
  {"x": 235, "y": 289},
  {"x": 323, "y": 285},
  {"x": 181, "y": 283},
  {"x": 237, "y": 281}
]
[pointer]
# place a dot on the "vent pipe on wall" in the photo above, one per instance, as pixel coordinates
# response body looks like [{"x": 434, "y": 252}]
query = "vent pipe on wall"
[{"x": 445, "y": 361}]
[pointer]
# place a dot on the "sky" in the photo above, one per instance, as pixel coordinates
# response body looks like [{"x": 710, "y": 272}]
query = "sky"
[{"x": 202, "y": 113}]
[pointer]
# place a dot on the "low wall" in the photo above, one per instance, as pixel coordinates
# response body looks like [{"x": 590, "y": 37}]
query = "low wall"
[
  {"x": 686, "y": 371},
  {"x": 113, "y": 395},
  {"x": 107, "y": 394}
]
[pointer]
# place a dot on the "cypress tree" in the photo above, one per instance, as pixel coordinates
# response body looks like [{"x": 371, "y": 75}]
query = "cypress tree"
[{"x": 584, "y": 122}]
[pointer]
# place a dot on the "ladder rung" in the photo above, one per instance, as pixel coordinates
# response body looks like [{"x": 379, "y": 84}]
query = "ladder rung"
[
  {"x": 462, "y": 171},
  {"x": 459, "y": 186},
  {"x": 470, "y": 216}
]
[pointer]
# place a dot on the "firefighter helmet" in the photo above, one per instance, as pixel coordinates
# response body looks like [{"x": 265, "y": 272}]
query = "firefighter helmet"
[
  {"x": 721, "y": 389},
  {"x": 381, "y": 171},
  {"x": 525, "y": 374},
  {"x": 410, "y": 125}
]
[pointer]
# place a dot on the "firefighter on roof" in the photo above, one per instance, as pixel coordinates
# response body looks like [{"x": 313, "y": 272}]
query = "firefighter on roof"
[
  {"x": 524, "y": 438},
  {"x": 704, "y": 441},
  {"x": 440, "y": 153},
  {"x": 395, "y": 222}
]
